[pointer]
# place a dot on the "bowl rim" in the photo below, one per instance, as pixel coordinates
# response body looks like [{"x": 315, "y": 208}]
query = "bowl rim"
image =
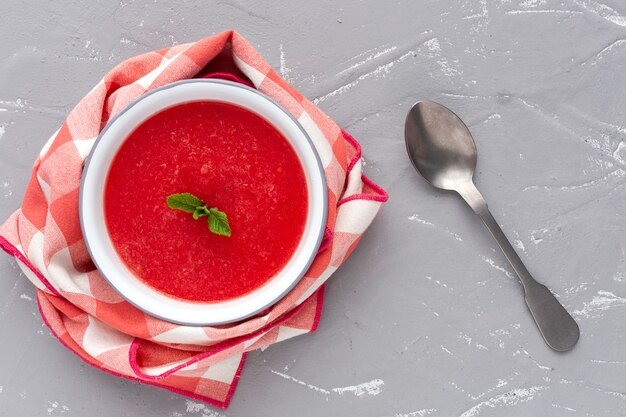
[{"x": 270, "y": 100}]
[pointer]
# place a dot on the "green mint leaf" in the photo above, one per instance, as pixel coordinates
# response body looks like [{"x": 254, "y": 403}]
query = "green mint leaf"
[
  {"x": 218, "y": 222},
  {"x": 185, "y": 202},
  {"x": 200, "y": 212}
]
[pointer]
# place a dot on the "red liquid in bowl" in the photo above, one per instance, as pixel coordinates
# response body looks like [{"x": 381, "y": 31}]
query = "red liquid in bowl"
[{"x": 233, "y": 160}]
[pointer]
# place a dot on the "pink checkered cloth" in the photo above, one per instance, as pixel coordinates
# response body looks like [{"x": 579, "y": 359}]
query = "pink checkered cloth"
[{"x": 89, "y": 317}]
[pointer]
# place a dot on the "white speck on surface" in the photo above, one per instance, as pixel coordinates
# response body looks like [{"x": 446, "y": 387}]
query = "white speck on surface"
[
  {"x": 532, "y": 3},
  {"x": 619, "y": 154},
  {"x": 26, "y": 297},
  {"x": 540, "y": 366},
  {"x": 493, "y": 264},
  {"x": 362, "y": 54},
  {"x": 445, "y": 349},
  {"x": 519, "y": 245},
  {"x": 499, "y": 384},
  {"x": 454, "y": 95},
  {"x": 481, "y": 18},
  {"x": 22, "y": 395},
  {"x": 607, "y": 362},
  {"x": 429, "y": 309},
  {"x": 304, "y": 384},
  {"x": 618, "y": 173},
  {"x": 529, "y": 105},
  {"x": 499, "y": 334},
  {"x": 603, "y": 301},
  {"x": 599, "y": 56},
  {"x": 2, "y": 128},
  {"x": 577, "y": 288},
  {"x": 600, "y": 389},
  {"x": 284, "y": 70},
  {"x": 6, "y": 191},
  {"x": 602, "y": 10},
  {"x": 6, "y": 306},
  {"x": 434, "y": 51},
  {"x": 470, "y": 341},
  {"x": 511, "y": 398},
  {"x": 494, "y": 116},
  {"x": 562, "y": 407},
  {"x": 379, "y": 72},
  {"x": 438, "y": 282},
  {"x": 412, "y": 342},
  {"x": 534, "y": 233},
  {"x": 543, "y": 11},
  {"x": 193, "y": 407},
  {"x": 17, "y": 105},
  {"x": 87, "y": 43},
  {"x": 418, "y": 413},
  {"x": 286, "y": 368},
  {"x": 368, "y": 59},
  {"x": 372, "y": 388},
  {"x": 418, "y": 219},
  {"x": 603, "y": 143},
  {"x": 53, "y": 407}
]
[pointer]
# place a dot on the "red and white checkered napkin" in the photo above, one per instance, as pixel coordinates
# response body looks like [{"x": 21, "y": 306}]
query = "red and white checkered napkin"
[{"x": 89, "y": 317}]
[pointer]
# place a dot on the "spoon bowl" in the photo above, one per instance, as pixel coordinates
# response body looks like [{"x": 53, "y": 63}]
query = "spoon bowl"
[{"x": 441, "y": 147}]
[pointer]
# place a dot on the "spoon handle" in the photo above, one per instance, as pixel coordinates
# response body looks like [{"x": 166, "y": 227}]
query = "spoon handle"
[{"x": 556, "y": 325}]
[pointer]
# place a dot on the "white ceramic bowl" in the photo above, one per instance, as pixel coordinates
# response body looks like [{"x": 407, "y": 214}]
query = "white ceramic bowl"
[{"x": 92, "y": 204}]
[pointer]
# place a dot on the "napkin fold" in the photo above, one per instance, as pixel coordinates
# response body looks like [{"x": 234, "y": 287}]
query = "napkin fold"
[{"x": 89, "y": 317}]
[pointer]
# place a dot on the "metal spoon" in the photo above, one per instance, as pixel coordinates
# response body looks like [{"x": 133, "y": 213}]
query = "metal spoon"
[{"x": 443, "y": 151}]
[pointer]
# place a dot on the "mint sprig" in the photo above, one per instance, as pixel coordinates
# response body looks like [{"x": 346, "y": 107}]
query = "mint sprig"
[{"x": 217, "y": 220}]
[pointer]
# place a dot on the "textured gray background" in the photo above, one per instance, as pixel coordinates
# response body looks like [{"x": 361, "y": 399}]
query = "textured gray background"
[{"x": 425, "y": 319}]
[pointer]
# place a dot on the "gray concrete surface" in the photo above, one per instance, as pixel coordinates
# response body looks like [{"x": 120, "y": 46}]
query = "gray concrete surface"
[{"x": 425, "y": 319}]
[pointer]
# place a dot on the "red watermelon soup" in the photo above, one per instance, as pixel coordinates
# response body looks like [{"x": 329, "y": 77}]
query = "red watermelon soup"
[{"x": 233, "y": 160}]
